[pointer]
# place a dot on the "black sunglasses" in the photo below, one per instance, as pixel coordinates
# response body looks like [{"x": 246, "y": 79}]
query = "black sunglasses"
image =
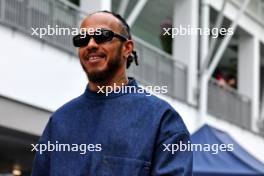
[{"x": 104, "y": 35}]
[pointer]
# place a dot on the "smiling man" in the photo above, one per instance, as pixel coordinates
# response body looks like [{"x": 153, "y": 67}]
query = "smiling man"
[{"x": 118, "y": 134}]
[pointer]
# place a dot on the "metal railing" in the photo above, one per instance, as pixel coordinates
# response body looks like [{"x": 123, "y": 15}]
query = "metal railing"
[
  {"x": 156, "y": 67},
  {"x": 27, "y": 14},
  {"x": 227, "y": 104}
]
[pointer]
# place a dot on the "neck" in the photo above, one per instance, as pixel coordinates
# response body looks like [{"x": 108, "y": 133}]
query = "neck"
[{"x": 116, "y": 81}]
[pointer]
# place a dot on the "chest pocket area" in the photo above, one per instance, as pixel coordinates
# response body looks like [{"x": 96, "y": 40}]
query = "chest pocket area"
[{"x": 119, "y": 166}]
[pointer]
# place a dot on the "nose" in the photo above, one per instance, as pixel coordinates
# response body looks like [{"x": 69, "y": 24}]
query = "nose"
[{"x": 92, "y": 44}]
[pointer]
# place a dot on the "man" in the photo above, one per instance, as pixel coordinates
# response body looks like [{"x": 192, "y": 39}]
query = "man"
[{"x": 124, "y": 133}]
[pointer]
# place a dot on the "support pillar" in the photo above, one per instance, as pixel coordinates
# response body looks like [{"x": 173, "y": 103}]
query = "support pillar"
[
  {"x": 249, "y": 73},
  {"x": 185, "y": 48},
  {"x": 90, "y": 6}
]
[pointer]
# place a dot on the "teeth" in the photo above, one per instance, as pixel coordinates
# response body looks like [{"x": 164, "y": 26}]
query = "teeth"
[{"x": 94, "y": 57}]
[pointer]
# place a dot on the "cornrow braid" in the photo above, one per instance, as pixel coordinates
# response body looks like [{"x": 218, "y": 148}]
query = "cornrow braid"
[{"x": 126, "y": 32}]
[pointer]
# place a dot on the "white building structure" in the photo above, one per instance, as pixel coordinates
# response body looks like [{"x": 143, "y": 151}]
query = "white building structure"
[{"x": 38, "y": 75}]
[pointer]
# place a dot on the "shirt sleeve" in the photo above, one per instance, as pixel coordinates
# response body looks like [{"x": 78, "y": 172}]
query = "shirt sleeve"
[
  {"x": 171, "y": 154},
  {"x": 41, "y": 165}
]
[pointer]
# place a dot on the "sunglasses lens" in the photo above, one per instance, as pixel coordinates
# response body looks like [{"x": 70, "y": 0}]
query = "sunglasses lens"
[
  {"x": 83, "y": 40},
  {"x": 105, "y": 36},
  {"x": 80, "y": 40}
]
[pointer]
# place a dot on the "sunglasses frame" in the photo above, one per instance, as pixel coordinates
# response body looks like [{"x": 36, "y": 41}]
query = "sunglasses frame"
[{"x": 83, "y": 40}]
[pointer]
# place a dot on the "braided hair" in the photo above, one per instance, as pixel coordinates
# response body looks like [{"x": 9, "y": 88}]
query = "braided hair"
[{"x": 125, "y": 31}]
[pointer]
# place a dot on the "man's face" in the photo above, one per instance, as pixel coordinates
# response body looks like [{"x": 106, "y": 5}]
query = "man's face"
[{"x": 102, "y": 61}]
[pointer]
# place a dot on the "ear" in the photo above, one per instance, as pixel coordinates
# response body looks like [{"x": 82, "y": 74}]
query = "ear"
[{"x": 128, "y": 48}]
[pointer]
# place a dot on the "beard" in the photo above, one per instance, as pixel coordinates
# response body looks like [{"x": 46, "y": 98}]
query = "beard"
[{"x": 112, "y": 67}]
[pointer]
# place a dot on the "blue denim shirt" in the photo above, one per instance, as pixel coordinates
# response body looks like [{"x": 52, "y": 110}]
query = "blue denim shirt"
[{"x": 124, "y": 134}]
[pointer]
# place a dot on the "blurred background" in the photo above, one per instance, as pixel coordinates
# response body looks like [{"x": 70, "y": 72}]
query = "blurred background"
[{"x": 216, "y": 84}]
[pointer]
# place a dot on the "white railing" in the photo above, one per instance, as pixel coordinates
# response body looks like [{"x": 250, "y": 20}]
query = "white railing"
[{"x": 227, "y": 104}]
